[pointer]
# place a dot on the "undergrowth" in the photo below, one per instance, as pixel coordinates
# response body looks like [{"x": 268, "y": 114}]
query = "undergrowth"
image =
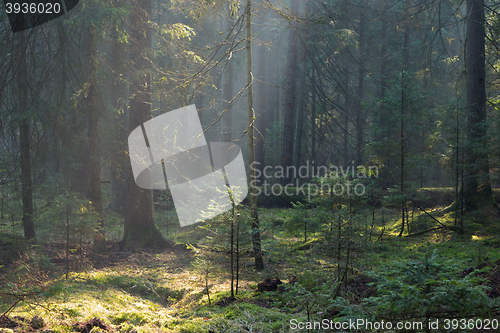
[{"x": 364, "y": 271}]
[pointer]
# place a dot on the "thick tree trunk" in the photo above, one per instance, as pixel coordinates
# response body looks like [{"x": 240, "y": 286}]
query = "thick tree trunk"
[
  {"x": 477, "y": 187},
  {"x": 94, "y": 149},
  {"x": 291, "y": 82},
  {"x": 259, "y": 262},
  {"x": 25, "y": 139},
  {"x": 140, "y": 226}
]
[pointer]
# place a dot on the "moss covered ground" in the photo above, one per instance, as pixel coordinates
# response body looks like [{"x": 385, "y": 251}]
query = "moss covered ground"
[{"x": 151, "y": 290}]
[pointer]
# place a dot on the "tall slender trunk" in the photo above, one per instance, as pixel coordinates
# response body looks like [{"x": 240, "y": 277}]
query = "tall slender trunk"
[
  {"x": 382, "y": 121},
  {"x": 360, "y": 114},
  {"x": 237, "y": 253},
  {"x": 259, "y": 262},
  {"x": 61, "y": 103},
  {"x": 301, "y": 106},
  {"x": 94, "y": 149},
  {"x": 119, "y": 95},
  {"x": 291, "y": 82},
  {"x": 232, "y": 254},
  {"x": 302, "y": 95},
  {"x": 25, "y": 139},
  {"x": 273, "y": 110},
  {"x": 346, "y": 54},
  {"x": 345, "y": 144},
  {"x": 383, "y": 60},
  {"x": 404, "y": 79},
  {"x": 383, "y": 114},
  {"x": 261, "y": 106},
  {"x": 227, "y": 96},
  {"x": 313, "y": 116}
]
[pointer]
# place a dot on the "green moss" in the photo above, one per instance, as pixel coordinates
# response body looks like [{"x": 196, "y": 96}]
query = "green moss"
[{"x": 135, "y": 318}]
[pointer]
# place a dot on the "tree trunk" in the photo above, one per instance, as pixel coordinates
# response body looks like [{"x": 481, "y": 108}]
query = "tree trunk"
[
  {"x": 346, "y": 54},
  {"x": 477, "y": 186},
  {"x": 291, "y": 81},
  {"x": 383, "y": 63},
  {"x": 259, "y": 263},
  {"x": 313, "y": 116},
  {"x": 382, "y": 112},
  {"x": 301, "y": 106},
  {"x": 260, "y": 114},
  {"x": 94, "y": 149},
  {"x": 345, "y": 144},
  {"x": 140, "y": 226},
  {"x": 404, "y": 78},
  {"x": 62, "y": 102},
  {"x": 227, "y": 96},
  {"x": 360, "y": 114},
  {"x": 302, "y": 95},
  {"x": 25, "y": 140},
  {"x": 119, "y": 94}
]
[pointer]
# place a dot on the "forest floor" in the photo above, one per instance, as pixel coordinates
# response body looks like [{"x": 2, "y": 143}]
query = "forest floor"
[{"x": 163, "y": 291}]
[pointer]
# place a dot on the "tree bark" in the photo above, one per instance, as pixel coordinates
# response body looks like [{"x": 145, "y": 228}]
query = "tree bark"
[
  {"x": 404, "y": 79},
  {"x": 289, "y": 116},
  {"x": 313, "y": 116},
  {"x": 25, "y": 139},
  {"x": 382, "y": 121},
  {"x": 261, "y": 103},
  {"x": 119, "y": 94},
  {"x": 259, "y": 262},
  {"x": 477, "y": 187},
  {"x": 345, "y": 117},
  {"x": 360, "y": 114},
  {"x": 302, "y": 104},
  {"x": 94, "y": 149},
  {"x": 227, "y": 96},
  {"x": 140, "y": 226}
]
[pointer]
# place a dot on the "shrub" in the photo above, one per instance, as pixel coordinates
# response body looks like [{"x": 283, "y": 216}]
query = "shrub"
[{"x": 428, "y": 288}]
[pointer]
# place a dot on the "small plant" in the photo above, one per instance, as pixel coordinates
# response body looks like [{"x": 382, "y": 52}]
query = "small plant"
[
  {"x": 313, "y": 292},
  {"x": 72, "y": 220},
  {"x": 205, "y": 268},
  {"x": 301, "y": 224},
  {"x": 428, "y": 288}
]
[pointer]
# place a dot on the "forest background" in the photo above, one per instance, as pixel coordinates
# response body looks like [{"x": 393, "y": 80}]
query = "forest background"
[{"x": 406, "y": 88}]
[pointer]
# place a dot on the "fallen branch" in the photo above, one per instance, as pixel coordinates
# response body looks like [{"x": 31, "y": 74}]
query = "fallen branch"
[
  {"x": 11, "y": 307},
  {"x": 452, "y": 228},
  {"x": 425, "y": 231},
  {"x": 381, "y": 234}
]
